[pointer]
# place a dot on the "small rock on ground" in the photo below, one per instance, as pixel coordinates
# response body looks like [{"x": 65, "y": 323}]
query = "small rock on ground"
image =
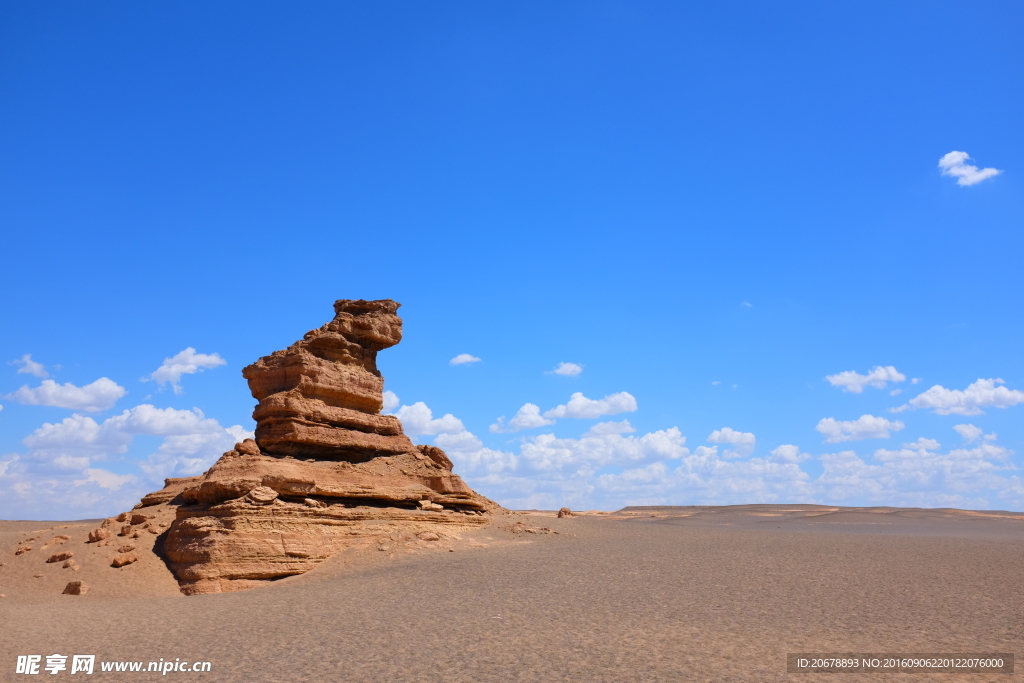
[{"x": 124, "y": 559}]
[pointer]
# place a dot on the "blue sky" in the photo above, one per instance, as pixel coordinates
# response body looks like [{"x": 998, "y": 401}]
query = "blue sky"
[{"x": 711, "y": 208}]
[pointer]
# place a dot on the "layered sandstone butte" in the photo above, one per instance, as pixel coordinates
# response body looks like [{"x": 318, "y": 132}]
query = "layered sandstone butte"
[{"x": 326, "y": 471}]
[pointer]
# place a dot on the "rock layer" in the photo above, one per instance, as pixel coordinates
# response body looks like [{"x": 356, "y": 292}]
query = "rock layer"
[
  {"x": 321, "y": 397},
  {"x": 326, "y": 471}
]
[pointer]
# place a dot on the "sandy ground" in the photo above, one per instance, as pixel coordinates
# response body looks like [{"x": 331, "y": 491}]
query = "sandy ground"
[{"x": 646, "y": 594}]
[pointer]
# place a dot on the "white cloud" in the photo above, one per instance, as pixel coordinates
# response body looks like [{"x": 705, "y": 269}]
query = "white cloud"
[
  {"x": 30, "y": 367},
  {"x": 147, "y": 419},
  {"x": 471, "y": 457},
  {"x": 923, "y": 444},
  {"x": 955, "y": 164},
  {"x": 79, "y": 434},
  {"x": 604, "y": 469},
  {"x": 864, "y": 427},
  {"x": 105, "y": 479},
  {"x": 715, "y": 383},
  {"x": 921, "y": 477},
  {"x": 579, "y": 406},
  {"x": 464, "y": 358},
  {"x": 191, "y": 454},
  {"x": 464, "y": 448},
  {"x": 877, "y": 377},
  {"x": 390, "y": 402},
  {"x": 916, "y": 380},
  {"x": 549, "y": 456},
  {"x": 548, "y": 469},
  {"x": 82, "y": 436},
  {"x": 788, "y": 453},
  {"x": 895, "y": 392},
  {"x": 605, "y": 428},
  {"x": 744, "y": 442},
  {"x": 585, "y": 455},
  {"x": 417, "y": 419},
  {"x": 58, "y": 478},
  {"x": 527, "y": 417},
  {"x": 969, "y": 432},
  {"x": 240, "y": 433},
  {"x": 982, "y": 394},
  {"x": 100, "y": 395},
  {"x": 186, "y": 362},
  {"x": 705, "y": 478},
  {"x": 566, "y": 369}
]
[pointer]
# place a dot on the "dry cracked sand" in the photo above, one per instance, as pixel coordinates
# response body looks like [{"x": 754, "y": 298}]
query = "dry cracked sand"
[{"x": 645, "y": 594}]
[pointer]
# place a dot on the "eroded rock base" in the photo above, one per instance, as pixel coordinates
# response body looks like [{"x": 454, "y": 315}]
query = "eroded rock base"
[
  {"x": 256, "y": 518},
  {"x": 237, "y": 545}
]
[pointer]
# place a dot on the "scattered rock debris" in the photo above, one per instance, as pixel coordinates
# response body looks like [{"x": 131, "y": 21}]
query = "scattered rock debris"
[
  {"x": 57, "y": 540},
  {"x": 97, "y": 535},
  {"x": 520, "y": 527},
  {"x": 124, "y": 559}
]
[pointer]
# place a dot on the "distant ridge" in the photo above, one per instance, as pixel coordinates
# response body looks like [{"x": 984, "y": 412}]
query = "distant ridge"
[{"x": 796, "y": 507}]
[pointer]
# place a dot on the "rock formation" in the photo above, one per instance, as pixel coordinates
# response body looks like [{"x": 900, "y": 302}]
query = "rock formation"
[{"x": 326, "y": 470}]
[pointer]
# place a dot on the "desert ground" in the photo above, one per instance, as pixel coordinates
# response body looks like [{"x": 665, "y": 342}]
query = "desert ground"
[{"x": 643, "y": 594}]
